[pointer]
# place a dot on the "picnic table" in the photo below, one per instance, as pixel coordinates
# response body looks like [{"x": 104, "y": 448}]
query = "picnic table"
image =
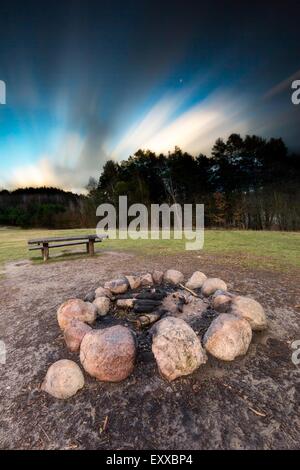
[{"x": 44, "y": 244}]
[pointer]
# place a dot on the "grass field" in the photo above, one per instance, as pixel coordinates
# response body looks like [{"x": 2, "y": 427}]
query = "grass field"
[{"x": 277, "y": 250}]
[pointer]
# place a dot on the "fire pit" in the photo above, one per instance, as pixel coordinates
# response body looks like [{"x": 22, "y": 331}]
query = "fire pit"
[{"x": 179, "y": 322}]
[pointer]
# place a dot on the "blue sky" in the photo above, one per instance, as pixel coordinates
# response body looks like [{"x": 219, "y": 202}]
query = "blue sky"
[{"x": 88, "y": 81}]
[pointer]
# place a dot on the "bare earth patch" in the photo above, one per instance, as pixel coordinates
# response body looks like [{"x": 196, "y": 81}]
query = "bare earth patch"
[{"x": 250, "y": 403}]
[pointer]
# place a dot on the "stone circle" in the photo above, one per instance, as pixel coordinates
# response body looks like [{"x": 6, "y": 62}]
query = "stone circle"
[{"x": 178, "y": 323}]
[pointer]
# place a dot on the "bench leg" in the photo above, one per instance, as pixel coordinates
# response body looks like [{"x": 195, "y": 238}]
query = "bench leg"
[
  {"x": 90, "y": 245},
  {"x": 45, "y": 251}
]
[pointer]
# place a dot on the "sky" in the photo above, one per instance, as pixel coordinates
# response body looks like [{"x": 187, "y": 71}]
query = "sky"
[{"x": 87, "y": 81}]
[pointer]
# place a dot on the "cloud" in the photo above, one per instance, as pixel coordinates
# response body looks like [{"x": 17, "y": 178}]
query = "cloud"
[
  {"x": 171, "y": 121},
  {"x": 64, "y": 168},
  {"x": 283, "y": 85},
  {"x": 45, "y": 173},
  {"x": 194, "y": 129},
  {"x": 147, "y": 127},
  {"x": 39, "y": 174}
]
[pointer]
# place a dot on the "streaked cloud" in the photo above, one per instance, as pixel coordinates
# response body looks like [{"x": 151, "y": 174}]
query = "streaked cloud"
[
  {"x": 102, "y": 84},
  {"x": 63, "y": 168},
  {"x": 283, "y": 85},
  {"x": 194, "y": 130}
]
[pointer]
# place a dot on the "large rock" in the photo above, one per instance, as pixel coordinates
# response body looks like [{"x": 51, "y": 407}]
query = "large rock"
[
  {"x": 250, "y": 310},
  {"x": 108, "y": 354},
  {"x": 102, "y": 305},
  {"x": 102, "y": 292},
  {"x": 173, "y": 277},
  {"x": 76, "y": 309},
  {"x": 157, "y": 276},
  {"x": 228, "y": 337},
  {"x": 222, "y": 292},
  {"x": 74, "y": 334},
  {"x": 117, "y": 286},
  {"x": 134, "y": 281},
  {"x": 196, "y": 280},
  {"x": 221, "y": 303},
  {"x": 63, "y": 379},
  {"x": 176, "y": 348},
  {"x": 90, "y": 296},
  {"x": 212, "y": 284},
  {"x": 146, "y": 280}
]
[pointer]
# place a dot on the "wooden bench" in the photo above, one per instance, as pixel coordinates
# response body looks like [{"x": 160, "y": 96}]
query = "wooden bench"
[{"x": 44, "y": 244}]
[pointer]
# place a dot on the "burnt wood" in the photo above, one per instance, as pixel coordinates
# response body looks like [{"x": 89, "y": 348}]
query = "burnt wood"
[
  {"x": 126, "y": 296},
  {"x": 151, "y": 295},
  {"x": 145, "y": 306}
]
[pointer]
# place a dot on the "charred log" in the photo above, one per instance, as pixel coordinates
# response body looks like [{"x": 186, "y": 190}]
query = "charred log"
[
  {"x": 151, "y": 295},
  {"x": 149, "y": 318},
  {"x": 141, "y": 305}
]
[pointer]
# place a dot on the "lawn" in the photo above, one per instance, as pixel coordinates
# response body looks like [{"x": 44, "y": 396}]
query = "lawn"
[{"x": 277, "y": 250}]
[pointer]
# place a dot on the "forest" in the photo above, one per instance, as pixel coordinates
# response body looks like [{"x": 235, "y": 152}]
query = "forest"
[{"x": 246, "y": 183}]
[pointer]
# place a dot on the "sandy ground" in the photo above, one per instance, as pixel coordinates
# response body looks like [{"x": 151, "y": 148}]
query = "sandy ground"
[{"x": 251, "y": 403}]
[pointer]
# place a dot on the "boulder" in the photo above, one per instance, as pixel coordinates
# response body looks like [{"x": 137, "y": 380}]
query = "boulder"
[
  {"x": 212, "y": 284},
  {"x": 228, "y": 337},
  {"x": 117, "y": 286},
  {"x": 102, "y": 305},
  {"x": 102, "y": 292},
  {"x": 76, "y": 309},
  {"x": 63, "y": 379},
  {"x": 74, "y": 334},
  {"x": 250, "y": 310},
  {"x": 221, "y": 303},
  {"x": 108, "y": 354},
  {"x": 222, "y": 292},
  {"x": 176, "y": 348},
  {"x": 90, "y": 296},
  {"x": 134, "y": 281},
  {"x": 157, "y": 276},
  {"x": 173, "y": 277},
  {"x": 196, "y": 280},
  {"x": 146, "y": 280}
]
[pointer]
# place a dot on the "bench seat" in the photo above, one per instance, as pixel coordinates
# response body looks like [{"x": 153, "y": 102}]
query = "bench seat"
[{"x": 63, "y": 244}]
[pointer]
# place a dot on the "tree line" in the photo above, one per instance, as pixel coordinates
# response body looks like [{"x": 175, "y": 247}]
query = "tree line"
[
  {"x": 45, "y": 207},
  {"x": 246, "y": 183}
]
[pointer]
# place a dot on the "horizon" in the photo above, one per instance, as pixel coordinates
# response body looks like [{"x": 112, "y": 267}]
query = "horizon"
[
  {"x": 95, "y": 178},
  {"x": 107, "y": 81}
]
